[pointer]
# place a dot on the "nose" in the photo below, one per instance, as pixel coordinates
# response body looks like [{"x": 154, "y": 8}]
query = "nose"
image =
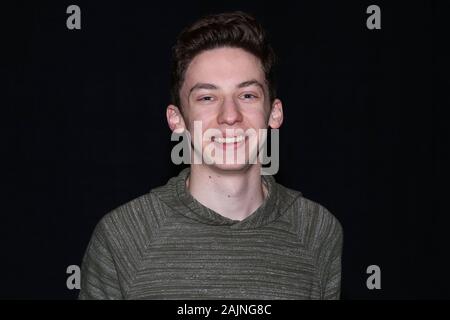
[{"x": 229, "y": 112}]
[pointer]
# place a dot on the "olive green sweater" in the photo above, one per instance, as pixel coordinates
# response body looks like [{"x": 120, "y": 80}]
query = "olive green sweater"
[{"x": 167, "y": 245}]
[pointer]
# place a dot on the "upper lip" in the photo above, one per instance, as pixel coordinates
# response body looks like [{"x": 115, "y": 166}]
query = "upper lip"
[
  {"x": 237, "y": 133},
  {"x": 213, "y": 137}
]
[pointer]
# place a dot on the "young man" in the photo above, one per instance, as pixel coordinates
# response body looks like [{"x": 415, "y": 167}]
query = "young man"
[{"x": 220, "y": 229}]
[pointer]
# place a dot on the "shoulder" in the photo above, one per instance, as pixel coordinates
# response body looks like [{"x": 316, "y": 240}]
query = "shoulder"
[
  {"x": 313, "y": 222},
  {"x": 317, "y": 215},
  {"x": 320, "y": 226},
  {"x": 133, "y": 223}
]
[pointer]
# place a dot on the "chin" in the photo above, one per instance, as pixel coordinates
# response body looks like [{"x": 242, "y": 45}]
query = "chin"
[{"x": 231, "y": 167}]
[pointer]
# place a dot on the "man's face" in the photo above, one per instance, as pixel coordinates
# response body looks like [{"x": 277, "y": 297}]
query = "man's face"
[{"x": 225, "y": 89}]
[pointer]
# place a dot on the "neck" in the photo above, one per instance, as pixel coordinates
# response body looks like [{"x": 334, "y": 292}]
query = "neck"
[{"x": 235, "y": 195}]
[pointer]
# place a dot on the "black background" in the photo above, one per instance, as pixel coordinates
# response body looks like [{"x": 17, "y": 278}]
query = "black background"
[{"x": 85, "y": 130}]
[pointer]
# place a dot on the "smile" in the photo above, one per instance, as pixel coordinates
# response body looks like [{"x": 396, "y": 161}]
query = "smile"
[{"x": 229, "y": 139}]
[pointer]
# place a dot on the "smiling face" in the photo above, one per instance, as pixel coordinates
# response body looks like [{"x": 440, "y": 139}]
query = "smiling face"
[{"x": 225, "y": 90}]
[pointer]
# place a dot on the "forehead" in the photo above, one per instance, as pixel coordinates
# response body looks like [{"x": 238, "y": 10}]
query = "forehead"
[{"x": 224, "y": 66}]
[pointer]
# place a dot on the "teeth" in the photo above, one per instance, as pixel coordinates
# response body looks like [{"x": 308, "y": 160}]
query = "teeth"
[{"x": 229, "y": 139}]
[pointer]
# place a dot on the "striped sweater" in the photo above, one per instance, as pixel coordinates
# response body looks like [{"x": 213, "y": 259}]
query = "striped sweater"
[{"x": 167, "y": 245}]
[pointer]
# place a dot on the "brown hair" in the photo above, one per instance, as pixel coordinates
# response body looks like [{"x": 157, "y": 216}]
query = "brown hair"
[{"x": 234, "y": 29}]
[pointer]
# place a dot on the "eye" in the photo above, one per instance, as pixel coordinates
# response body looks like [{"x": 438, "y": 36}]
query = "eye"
[
  {"x": 205, "y": 98},
  {"x": 249, "y": 96}
]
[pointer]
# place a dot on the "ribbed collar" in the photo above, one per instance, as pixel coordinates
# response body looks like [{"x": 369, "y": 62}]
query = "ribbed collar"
[{"x": 176, "y": 195}]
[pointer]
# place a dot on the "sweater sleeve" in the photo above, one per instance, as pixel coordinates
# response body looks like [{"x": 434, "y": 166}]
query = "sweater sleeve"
[
  {"x": 331, "y": 279},
  {"x": 99, "y": 279}
]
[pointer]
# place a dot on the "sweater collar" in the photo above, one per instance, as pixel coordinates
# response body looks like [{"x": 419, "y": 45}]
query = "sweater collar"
[{"x": 176, "y": 195}]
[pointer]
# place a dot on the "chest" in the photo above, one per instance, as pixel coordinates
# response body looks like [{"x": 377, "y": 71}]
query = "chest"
[{"x": 263, "y": 264}]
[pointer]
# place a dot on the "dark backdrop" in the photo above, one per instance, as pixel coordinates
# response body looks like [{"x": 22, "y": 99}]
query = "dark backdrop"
[{"x": 85, "y": 130}]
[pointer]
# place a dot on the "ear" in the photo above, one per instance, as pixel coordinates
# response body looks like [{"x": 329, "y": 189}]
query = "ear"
[
  {"x": 175, "y": 119},
  {"x": 276, "y": 114}
]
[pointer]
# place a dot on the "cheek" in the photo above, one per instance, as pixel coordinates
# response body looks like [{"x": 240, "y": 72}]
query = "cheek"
[
  {"x": 257, "y": 118},
  {"x": 200, "y": 120}
]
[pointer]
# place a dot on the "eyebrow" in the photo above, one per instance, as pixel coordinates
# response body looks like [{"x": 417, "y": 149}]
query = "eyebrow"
[
  {"x": 198, "y": 86},
  {"x": 251, "y": 83},
  {"x": 211, "y": 86}
]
